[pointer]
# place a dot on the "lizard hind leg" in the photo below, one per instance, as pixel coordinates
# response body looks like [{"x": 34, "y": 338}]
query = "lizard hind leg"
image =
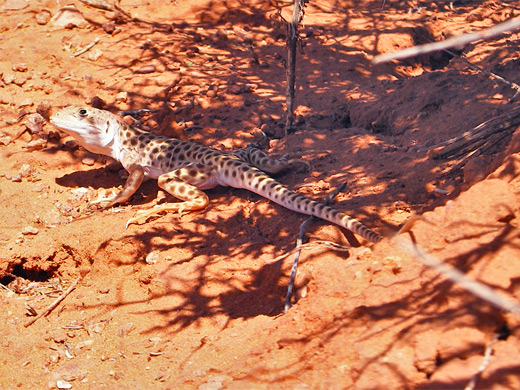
[
  {"x": 176, "y": 183},
  {"x": 259, "y": 159}
]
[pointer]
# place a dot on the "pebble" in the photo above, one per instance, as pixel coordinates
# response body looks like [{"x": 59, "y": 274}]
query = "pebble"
[
  {"x": 43, "y": 16},
  {"x": 8, "y": 78},
  {"x": 36, "y": 144},
  {"x": 26, "y": 170},
  {"x": 122, "y": 96},
  {"x": 29, "y": 230},
  {"x": 34, "y": 123},
  {"x": 59, "y": 338},
  {"x": 152, "y": 257},
  {"x": 60, "y": 384},
  {"x": 21, "y": 67},
  {"x": 12, "y": 5},
  {"x": 104, "y": 290},
  {"x": 38, "y": 187},
  {"x": 88, "y": 161},
  {"x": 146, "y": 69}
]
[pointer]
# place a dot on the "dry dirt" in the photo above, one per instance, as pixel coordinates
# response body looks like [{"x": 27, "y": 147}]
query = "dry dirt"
[{"x": 196, "y": 302}]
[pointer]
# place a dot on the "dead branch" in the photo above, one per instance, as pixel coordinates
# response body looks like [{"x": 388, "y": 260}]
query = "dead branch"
[
  {"x": 456, "y": 41},
  {"x": 299, "y": 241},
  {"x": 54, "y": 304},
  {"x": 485, "y": 363},
  {"x": 487, "y": 73},
  {"x": 292, "y": 40},
  {"x": 106, "y": 6},
  {"x": 476, "y": 288},
  {"x": 319, "y": 244},
  {"x": 479, "y": 140},
  {"x": 86, "y": 48}
]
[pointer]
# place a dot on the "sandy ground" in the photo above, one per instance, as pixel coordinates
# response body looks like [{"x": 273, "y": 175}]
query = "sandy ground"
[{"x": 196, "y": 302}]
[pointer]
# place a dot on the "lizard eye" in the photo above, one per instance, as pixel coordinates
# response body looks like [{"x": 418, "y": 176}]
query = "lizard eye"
[{"x": 82, "y": 112}]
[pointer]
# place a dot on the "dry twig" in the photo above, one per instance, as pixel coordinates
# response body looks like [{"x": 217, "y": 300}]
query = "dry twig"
[
  {"x": 319, "y": 244},
  {"x": 85, "y": 49},
  {"x": 299, "y": 241},
  {"x": 54, "y": 304},
  {"x": 482, "y": 139},
  {"x": 456, "y": 41},
  {"x": 292, "y": 40},
  {"x": 485, "y": 363},
  {"x": 476, "y": 288},
  {"x": 106, "y": 6}
]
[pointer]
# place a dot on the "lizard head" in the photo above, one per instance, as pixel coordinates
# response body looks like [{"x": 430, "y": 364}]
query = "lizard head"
[{"x": 94, "y": 129}]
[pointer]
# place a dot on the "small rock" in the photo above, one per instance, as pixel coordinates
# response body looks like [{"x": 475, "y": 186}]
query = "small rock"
[
  {"x": 29, "y": 230},
  {"x": 146, "y": 69},
  {"x": 88, "y": 161},
  {"x": 44, "y": 109},
  {"x": 64, "y": 209},
  {"x": 36, "y": 144},
  {"x": 26, "y": 170},
  {"x": 16, "y": 179},
  {"x": 13, "y": 5},
  {"x": 59, "y": 338},
  {"x": 104, "y": 290},
  {"x": 94, "y": 54},
  {"x": 236, "y": 89},
  {"x": 5, "y": 139},
  {"x": 122, "y": 96},
  {"x": 152, "y": 258},
  {"x": 69, "y": 17},
  {"x": 61, "y": 384},
  {"x": 109, "y": 27},
  {"x": 43, "y": 16},
  {"x": 8, "y": 78},
  {"x": 34, "y": 123},
  {"x": 38, "y": 187},
  {"x": 20, "y": 80},
  {"x": 21, "y": 67}
]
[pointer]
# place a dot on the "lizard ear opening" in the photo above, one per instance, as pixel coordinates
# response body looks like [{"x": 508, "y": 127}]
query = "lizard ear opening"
[{"x": 108, "y": 127}]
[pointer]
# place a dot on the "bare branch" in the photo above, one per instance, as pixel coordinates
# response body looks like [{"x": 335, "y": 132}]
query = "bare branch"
[
  {"x": 54, "y": 304},
  {"x": 476, "y": 288},
  {"x": 292, "y": 40},
  {"x": 299, "y": 245},
  {"x": 456, "y": 41}
]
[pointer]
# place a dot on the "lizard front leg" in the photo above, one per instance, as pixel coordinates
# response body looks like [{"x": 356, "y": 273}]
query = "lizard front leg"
[
  {"x": 181, "y": 183},
  {"x": 133, "y": 182}
]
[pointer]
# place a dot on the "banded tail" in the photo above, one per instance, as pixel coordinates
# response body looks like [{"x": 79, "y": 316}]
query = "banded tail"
[{"x": 258, "y": 182}]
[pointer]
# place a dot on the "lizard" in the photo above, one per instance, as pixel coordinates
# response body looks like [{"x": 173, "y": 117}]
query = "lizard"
[{"x": 184, "y": 169}]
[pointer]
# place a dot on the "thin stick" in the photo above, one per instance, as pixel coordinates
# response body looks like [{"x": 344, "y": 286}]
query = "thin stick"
[
  {"x": 485, "y": 363},
  {"x": 106, "y": 6},
  {"x": 320, "y": 244},
  {"x": 292, "y": 40},
  {"x": 476, "y": 288},
  {"x": 85, "y": 49},
  {"x": 53, "y": 305},
  {"x": 5, "y": 287},
  {"x": 456, "y": 41},
  {"x": 496, "y": 125},
  {"x": 299, "y": 241},
  {"x": 486, "y": 72}
]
